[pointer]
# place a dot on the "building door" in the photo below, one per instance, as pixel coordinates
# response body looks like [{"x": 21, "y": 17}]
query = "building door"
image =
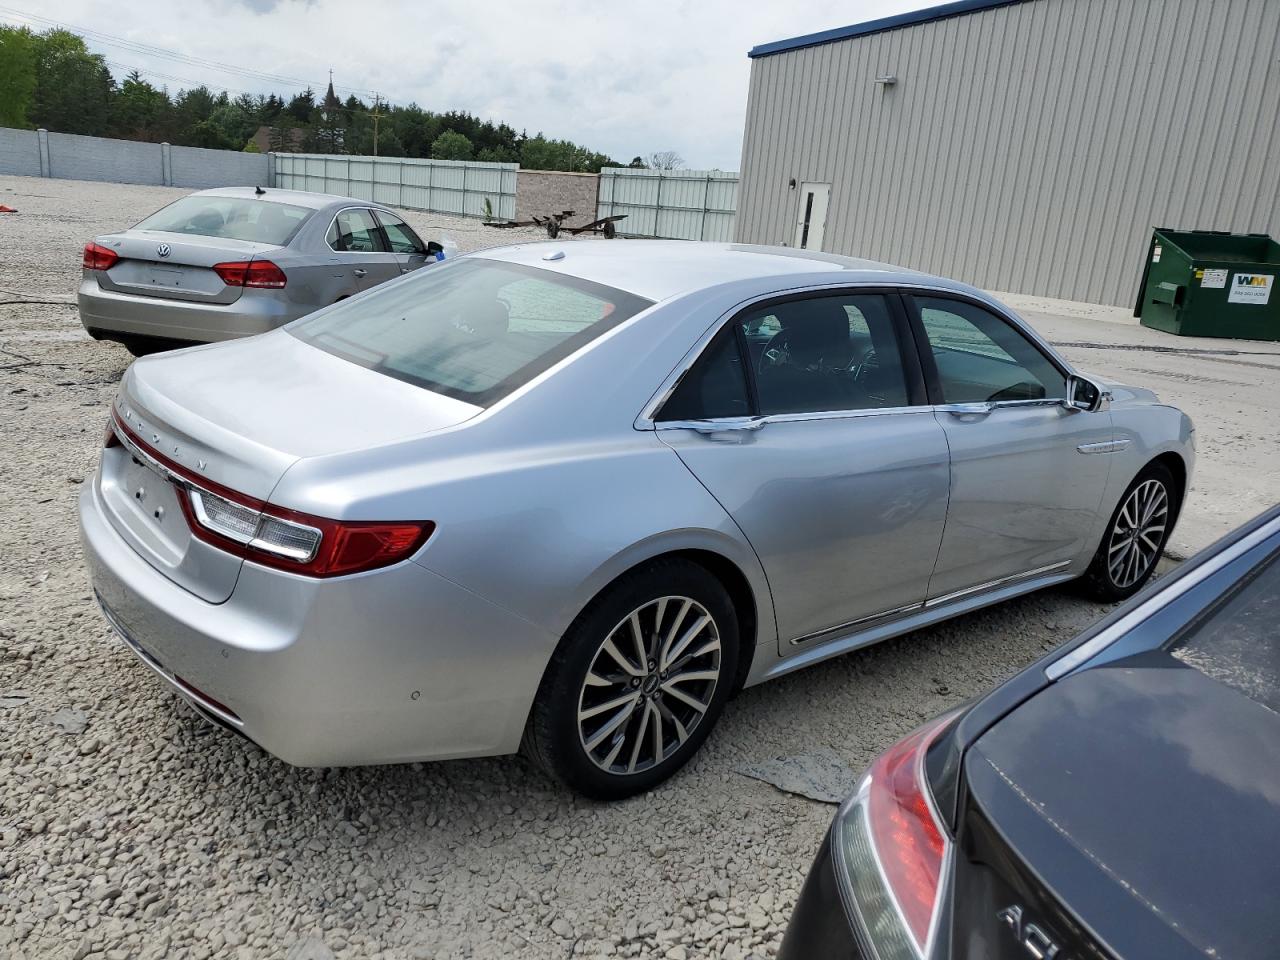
[{"x": 812, "y": 219}]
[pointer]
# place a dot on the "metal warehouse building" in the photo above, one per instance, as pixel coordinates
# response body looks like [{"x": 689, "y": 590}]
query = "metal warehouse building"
[{"x": 1021, "y": 145}]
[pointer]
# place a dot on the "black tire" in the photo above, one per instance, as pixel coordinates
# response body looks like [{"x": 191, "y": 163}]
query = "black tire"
[
  {"x": 553, "y": 229},
  {"x": 1103, "y": 581},
  {"x": 554, "y": 738},
  {"x": 610, "y": 230},
  {"x": 142, "y": 346}
]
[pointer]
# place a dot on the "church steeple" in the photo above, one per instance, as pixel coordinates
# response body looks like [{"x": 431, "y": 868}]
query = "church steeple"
[{"x": 331, "y": 101}]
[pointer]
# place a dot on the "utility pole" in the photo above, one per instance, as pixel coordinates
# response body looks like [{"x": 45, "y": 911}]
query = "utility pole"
[{"x": 376, "y": 98}]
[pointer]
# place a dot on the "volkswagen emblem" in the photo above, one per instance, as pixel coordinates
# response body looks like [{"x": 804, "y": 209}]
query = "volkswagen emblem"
[{"x": 163, "y": 250}]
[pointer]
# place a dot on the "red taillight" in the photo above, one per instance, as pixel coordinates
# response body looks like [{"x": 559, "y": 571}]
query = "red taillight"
[
  {"x": 890, "y": 849},
  {"x": 286, "y": 539},
  {"x": 907, "y": 836},
  {"x": 98, "y": 257},
  {"x": 251, "y": 273}
]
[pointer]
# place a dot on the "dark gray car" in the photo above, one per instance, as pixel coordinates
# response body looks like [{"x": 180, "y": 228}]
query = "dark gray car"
[{"x": 236, "y": 261}]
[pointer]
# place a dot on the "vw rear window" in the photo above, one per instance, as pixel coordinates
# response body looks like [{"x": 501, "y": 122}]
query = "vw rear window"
[
  {"x": 471, "y": 329},
  {"x": 230, "y": 218},
  {"x": 1237, "y": 642}
]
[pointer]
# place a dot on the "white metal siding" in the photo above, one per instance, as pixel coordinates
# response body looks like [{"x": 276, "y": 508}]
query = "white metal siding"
[
  {"x": 675, "y": 204},
  {"x": 1027, "y": 148},
  {"x": 444, "y": 186}
]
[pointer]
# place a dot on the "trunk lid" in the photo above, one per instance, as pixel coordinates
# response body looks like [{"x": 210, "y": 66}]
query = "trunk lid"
[
  {"x": 1128, "y": 810},
  {"x": 240, "y": 414},
  {"x": 184, "y": 273}
]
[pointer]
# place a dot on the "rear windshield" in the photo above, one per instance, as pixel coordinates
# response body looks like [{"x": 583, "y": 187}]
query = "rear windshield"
[
  {"x": 233, "y": 218},
  {"x": 471, "y": 329},
  {"x": 1237, "y": 642}
]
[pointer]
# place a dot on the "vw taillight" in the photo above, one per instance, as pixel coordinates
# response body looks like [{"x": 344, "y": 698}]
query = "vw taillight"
[
  {"x": 98, "y": 257},
  {"x": 251, "y": 273}
]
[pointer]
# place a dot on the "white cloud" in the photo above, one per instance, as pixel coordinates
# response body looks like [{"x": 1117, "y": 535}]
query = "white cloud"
[{"x": 621, "y": 78}]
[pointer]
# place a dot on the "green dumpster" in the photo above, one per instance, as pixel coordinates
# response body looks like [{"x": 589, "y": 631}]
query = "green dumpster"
[{"x": 1201, "y": 283}]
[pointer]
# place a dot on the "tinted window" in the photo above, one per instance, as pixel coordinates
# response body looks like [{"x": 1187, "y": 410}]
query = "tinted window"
[
  {"x": 1238, "y": 641},
  {"x": 469, "y": 328},
  {"x": 826, "y": 353},
  {"x": 401, "y": 238},
  {"x": 354, "y": 231},
  {"x": 715, "y": 387},
  {"x": 980, "y": 357},
  {"x": 235, "y": 218}
]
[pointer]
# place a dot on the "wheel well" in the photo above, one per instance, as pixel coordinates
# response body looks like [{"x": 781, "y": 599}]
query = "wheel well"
[
  {"x": 744, "y": 603},
  {"x": 740, "y": 593},
  {"x": 1178, "y": 467}
]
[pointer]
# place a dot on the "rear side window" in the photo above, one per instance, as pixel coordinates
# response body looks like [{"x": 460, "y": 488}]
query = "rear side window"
[
  {"x": 354, "y": 231},
  {"x": 714, "y": 388},
  {"x": 232, "y": 218},
  {"x": 472, "y": 329},
  {"x": 1237, "y": 642},
  {"x": 811, "y": 355}
]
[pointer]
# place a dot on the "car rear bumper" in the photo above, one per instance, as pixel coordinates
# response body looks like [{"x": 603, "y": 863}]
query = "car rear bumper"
[
  {"x": 391, "y": 666},
  {"x": 820, "y": 925},
  {"x": 108, "y": 312}
]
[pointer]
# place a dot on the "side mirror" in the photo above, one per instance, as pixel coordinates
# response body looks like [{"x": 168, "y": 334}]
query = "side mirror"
[{"x": 1082, "y": 394}]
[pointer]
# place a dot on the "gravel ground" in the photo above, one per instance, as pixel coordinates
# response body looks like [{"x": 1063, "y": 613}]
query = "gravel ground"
[{"x": 130, "y": 828}]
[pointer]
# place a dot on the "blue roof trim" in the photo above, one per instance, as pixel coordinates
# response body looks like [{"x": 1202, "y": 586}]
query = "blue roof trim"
[{"x": 958, "y": 8}]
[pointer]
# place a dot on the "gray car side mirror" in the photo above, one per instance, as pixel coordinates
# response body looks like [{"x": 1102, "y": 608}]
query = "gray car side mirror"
[{"x": 1082, "y": 394}]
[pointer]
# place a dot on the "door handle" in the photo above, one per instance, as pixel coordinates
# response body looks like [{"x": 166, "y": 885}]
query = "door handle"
[
  {"x": 360, "y": 272},
  {"x": 708, "y": 427},
  {"x": 968, "y": 409}
]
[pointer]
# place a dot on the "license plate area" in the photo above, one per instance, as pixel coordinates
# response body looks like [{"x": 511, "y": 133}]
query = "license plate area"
[
  {"x": 165, "y": 277},
  {"x": 145, "y": 503}
]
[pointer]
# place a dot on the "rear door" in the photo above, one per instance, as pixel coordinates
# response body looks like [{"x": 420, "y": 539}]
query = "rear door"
[
  {"x": 805, "y": 418},
  {"x": 359, "y": 241},
  {"x": 1026, "y": 474}
]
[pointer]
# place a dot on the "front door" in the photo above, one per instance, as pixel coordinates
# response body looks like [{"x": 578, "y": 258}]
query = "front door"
[
  {"x": 404, "y": 243},
  {"x": 803, "y": 422},
  {"x": 812, "y": 220},
  {"x": 1026, "y": 480}
]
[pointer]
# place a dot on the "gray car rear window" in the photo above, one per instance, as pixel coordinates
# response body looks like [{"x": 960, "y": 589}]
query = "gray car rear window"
[
  {"x": 1237, "y": 642},
  {"x": 231, "y": 218},
  {"x": 471, "y": 329}
]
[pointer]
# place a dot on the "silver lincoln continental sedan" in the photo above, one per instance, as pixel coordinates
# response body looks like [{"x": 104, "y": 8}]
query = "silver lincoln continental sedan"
[{"x": 569, "y": 498}]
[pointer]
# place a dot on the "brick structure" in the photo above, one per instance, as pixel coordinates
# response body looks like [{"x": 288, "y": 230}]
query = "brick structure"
[{"x": 542, "y": 192}]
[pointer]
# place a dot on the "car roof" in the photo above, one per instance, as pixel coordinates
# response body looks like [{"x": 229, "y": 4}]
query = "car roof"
[
  {"x": 299, "y": 198},
  {"x": 658, "y": 269}
]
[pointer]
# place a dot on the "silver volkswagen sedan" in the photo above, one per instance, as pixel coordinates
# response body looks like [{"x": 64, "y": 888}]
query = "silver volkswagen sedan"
[
  {"x": 572, "y": 497},
  {"x": 236, "y": 261}
]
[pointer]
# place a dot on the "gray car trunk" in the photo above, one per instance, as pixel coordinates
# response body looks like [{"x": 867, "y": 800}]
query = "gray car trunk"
[{"x": 183, "y": 272}]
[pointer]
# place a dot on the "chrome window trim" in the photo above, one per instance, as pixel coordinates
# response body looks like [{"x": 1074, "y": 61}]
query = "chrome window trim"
[
  {"x": 1161, "y": 599},
  {"x": 717, "y": 424},
  {"x": 363, "y": 253}
]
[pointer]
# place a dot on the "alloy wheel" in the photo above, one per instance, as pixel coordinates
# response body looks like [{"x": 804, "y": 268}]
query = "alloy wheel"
[
  {"x": 649, "y": 685},
  {"x": 1138, "y": 534}
]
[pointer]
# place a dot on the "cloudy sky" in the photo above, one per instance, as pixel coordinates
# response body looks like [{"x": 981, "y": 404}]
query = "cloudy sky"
[{"x": 621, "y": 78}]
